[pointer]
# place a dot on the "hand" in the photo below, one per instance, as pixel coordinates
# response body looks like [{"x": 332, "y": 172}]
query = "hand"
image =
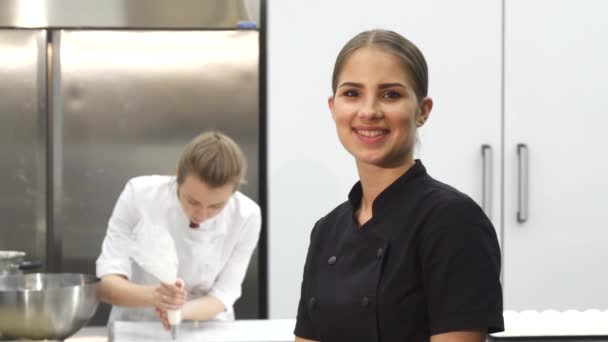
[
  {"x": 162, "y": 315},
  {"x": 169, "y": 296}
]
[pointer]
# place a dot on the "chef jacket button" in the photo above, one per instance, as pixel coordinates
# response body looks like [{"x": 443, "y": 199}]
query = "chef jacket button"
[
  {"x": 312, "y": 302},
  {"x": 380, "y": 251},
  {"x": 332, "y": 260},
  {"x": 364, "y": 302}
]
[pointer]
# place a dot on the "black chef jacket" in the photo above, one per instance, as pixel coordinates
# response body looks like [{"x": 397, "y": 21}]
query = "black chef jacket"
[{"x": 427, "y": 262}]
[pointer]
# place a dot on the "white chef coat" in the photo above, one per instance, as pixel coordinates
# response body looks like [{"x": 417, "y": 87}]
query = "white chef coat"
[{"x": 213, "y": 258}]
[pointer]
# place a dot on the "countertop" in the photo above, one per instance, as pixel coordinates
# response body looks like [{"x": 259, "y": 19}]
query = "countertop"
[
  {"x": 277, "y": 330},
  {"x": 231, "y": 331}
]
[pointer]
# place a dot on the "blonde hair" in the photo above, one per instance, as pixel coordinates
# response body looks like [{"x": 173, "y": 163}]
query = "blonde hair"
[
  {"x": 214, "y": 158},
  {"x": 410, "y": 56}
]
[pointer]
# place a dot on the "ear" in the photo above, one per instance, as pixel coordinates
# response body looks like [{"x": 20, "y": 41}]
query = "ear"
[
  {"x": 330, "y": 104},
  {"x": 426, "y": 105}
]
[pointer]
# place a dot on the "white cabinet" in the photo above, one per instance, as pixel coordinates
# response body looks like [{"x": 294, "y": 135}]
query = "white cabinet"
[
  {"x": 556, "y": 106},
  {"x": 463, "y": 52},
  {"x": 548, "y": 98}
]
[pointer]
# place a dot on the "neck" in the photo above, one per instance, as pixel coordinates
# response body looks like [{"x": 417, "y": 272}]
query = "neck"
[{"x": 374, "y": 179}]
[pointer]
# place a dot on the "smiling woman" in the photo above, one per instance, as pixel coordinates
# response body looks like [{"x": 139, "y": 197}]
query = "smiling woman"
[
  {"x": 406, "y": 258},
  {"x": 214, "y": 226},
  {"x": 376, "y": 109}
]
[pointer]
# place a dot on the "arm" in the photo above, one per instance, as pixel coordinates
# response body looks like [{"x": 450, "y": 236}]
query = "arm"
[
  {"x": 227, "y": 287},
  {"x": 117, "y": 290},
  {"x": 460, "y": 264},
  {"x": 203, "y": 308},
  {"x": 114, "y": 264},
  {"x": 460, "y": 336},
  {"x": 299, "y": 339},
  {"x": 304, "y": 320}
]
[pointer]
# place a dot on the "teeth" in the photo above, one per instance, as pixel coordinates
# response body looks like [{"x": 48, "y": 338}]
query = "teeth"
[{"x": 374, "y": 133}]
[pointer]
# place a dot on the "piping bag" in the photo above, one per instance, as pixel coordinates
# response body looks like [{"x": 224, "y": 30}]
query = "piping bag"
[{"x": 154, "y": 251}]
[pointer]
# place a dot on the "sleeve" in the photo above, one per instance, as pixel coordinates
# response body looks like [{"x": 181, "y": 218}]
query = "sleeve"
[
  {"x": 227, "y": 287},
  {"x": 460, "y": 263},
  {"x": 114, "y": 257},
  {"x": 304, "y": 326}
]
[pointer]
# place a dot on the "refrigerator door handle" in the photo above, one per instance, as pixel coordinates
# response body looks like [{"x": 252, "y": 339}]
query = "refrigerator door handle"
[
  {"x": 486, "y": 185},
  {"x": 522, "y": 183}
]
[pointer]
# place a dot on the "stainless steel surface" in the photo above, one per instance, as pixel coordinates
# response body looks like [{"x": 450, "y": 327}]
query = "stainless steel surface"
[
  {"x": 46, "y": 306},
  {"x": 22, "y": 141},
  {"x": 110, "y": 105},
  {"x": 522, "y": 183},
  {"x": 124, "y": 104},
  {"x": 155, "y": 14},
  {"x": 486, "y": 195},
  {"x": 54, "y": 160}
]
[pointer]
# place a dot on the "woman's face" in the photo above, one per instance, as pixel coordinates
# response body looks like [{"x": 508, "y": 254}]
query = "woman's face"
[
  {"x": 376, "y": 110},
  {"x": 201, "y": 202}
]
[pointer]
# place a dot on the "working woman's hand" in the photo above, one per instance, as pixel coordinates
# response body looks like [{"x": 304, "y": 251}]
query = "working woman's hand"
[
  {"x": 162, "y": 315},
  {"x": 169, "y": 296}
]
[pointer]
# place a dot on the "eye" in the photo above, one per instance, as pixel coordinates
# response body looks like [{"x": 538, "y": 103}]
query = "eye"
[
  {"x": 350, "y": 93},
  {"x": 391, "y": 94},
  {"x": 192, "y": 202}
]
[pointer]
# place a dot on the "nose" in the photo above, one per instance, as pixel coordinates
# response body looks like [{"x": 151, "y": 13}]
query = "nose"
[
  {"x": 370, "y": 109},
  {"x": 201, "y": 214}
]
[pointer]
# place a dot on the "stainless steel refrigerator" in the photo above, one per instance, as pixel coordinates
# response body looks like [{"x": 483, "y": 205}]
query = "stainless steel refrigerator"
[{"x": 83, "y": 110}]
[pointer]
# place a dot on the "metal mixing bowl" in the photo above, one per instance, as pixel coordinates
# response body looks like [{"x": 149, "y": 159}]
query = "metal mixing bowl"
[{"x": 46, "y": 306}]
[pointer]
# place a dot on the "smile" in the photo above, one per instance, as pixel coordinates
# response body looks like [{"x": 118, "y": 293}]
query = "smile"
[{"x": 372, "y": 135}]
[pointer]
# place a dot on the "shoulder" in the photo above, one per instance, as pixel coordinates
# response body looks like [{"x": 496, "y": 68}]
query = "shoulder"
[
  {"x": 443, "y": 207},
  {"x": 241, "y": 211},
  {"x": 455, "y": 223},
  {"x": 328, "y": 224},
  {"x": 440, "y": 198},
  {"x": 151, "y": 187},
  {"x": 150, "y": 181},
  {"x": 242, "y": 206}
]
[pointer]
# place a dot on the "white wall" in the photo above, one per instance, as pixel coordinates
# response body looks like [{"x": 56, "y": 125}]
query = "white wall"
[{"x": 309, "y": 171}]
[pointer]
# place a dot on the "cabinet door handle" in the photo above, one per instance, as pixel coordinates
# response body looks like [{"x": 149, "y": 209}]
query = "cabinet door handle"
[
  {"x": 522, "y": 183},
  {"x": 486, "y": 183}
]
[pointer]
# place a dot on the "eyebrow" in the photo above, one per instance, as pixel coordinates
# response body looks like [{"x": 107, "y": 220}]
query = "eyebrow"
[
  {"x": 381, "y": 86},
  {"x": 193, "y": 200}
]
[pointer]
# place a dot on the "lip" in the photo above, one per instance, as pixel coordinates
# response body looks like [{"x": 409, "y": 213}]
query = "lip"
[{"x": 370, "y": 139}]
